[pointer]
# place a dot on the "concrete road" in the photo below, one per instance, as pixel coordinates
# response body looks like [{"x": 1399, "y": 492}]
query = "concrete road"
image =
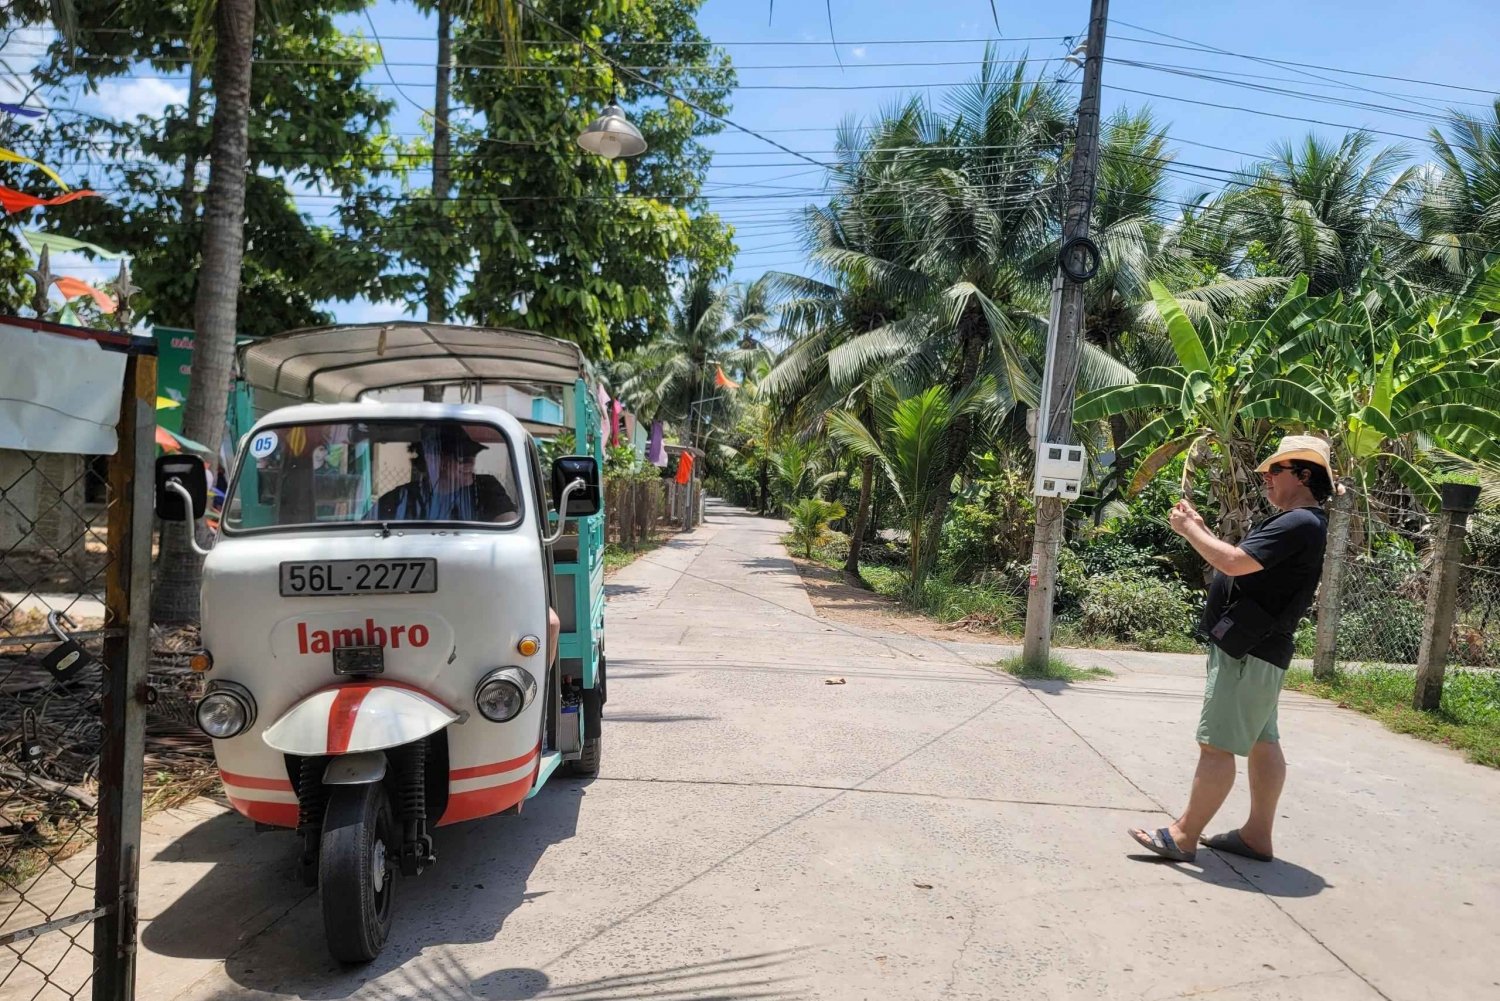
[{"x": 927, "y": 830}]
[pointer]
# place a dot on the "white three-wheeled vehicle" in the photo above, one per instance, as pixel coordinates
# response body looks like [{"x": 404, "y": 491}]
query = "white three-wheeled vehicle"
[{"x": 400, "y": 631}]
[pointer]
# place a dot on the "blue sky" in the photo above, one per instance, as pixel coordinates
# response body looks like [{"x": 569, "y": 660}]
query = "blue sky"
[{"x": 794, "y": 89}]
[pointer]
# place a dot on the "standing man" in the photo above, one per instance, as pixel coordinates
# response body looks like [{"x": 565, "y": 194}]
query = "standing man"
[{"x": 1260, "y": 591}]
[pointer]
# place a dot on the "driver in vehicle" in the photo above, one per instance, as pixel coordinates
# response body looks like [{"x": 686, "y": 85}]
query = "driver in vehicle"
[{"x": 456, "y": 494}]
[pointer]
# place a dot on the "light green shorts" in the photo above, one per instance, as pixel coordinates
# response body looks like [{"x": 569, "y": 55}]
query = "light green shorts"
[{"x": 1239, "y": 702}]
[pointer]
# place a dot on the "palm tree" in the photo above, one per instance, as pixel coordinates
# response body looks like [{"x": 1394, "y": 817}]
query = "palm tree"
[
  {"x": 1196, "y": 257},
  {"x": 214, "y": 316},
  {"x": 913, "y": 449},
  {"x": 1459, "y": 214},
  {"x": 1327, "y": 210},
  {"x": 712, "y": 332}
]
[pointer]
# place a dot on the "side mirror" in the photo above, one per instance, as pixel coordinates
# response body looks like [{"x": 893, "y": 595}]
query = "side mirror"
[
  {"x": 585, "y": 500},
  {"x": 188, "y": 474}
]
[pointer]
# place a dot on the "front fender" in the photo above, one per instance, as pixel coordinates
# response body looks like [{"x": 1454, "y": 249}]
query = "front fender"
[{"x": 360, "y": 716}]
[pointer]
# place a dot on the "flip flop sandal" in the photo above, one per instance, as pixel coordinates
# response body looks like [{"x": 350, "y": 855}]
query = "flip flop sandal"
[
  {"x": 1162, "y": 844},
  {"x": 1232, "y": 843}
]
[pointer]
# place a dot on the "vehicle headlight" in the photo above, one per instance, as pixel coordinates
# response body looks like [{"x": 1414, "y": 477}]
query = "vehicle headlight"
[
  {"x": 504, "y": 693},
  {"x": 227, "y": 710}
]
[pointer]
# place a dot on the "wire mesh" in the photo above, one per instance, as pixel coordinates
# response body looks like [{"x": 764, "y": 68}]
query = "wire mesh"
[
  {"x": 54, "y": 557},
  {"x": 1476, "y": 623},
  {"x": 1384, "y": 597}
]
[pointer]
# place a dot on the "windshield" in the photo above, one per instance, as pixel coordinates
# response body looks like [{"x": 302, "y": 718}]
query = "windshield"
[{"x": 332, "y": 473}]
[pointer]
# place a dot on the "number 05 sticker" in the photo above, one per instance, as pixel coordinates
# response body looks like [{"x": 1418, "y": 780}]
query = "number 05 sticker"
[{"x": 263, "y": 444}]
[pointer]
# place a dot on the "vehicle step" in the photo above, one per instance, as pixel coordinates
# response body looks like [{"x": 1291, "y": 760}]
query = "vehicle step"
[{"x": 550, "y": 761}]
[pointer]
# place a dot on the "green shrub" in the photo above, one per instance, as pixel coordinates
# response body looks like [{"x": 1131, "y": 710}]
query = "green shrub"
[
  {"x": 991, "y": 524},
  {"x": 809, "y": 520},
  {"x": 1132, "y": 607},
  {"x": 989, "y": 604},
  {"x": 1305, "y": 641}
]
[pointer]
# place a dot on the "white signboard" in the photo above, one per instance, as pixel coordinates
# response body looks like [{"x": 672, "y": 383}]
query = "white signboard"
[{"x": 58, "y": 393}]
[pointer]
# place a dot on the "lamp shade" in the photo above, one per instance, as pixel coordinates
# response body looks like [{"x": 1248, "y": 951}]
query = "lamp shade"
[{"x": 611, "y": 135}]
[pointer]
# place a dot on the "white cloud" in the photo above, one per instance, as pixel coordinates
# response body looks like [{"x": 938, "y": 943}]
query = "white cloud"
[
  {"x": 366, "y": 311},
  {"x": 123, "y": 100},
  {"x": 24, "y": 52},
  {"x": 859, "y": 51}
]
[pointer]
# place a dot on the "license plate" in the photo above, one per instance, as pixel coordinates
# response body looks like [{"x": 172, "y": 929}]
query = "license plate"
[
  {"x": 358, "y": 660},
  {"x": 301, "y": 580}
]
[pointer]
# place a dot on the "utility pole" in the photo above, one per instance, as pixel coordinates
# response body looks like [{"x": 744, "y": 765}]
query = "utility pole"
[
  {"x": 1077, "y": 262},
  {"x": 437, "y": 284}
]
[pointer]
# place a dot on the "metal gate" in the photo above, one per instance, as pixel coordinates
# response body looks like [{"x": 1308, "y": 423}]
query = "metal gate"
[{"x": 75, "y": 560}]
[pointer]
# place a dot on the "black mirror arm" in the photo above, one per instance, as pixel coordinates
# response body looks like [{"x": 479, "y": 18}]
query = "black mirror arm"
[{"x": 175, "y": 485}]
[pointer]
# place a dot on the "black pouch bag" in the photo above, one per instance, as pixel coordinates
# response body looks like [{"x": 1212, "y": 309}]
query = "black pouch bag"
[{"x": 1243, "y": 625}]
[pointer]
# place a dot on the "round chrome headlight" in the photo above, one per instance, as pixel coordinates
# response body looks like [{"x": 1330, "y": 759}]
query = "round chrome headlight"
[
  {"x": 504, "y": 693},
  {"x": 227, "y": 710}
]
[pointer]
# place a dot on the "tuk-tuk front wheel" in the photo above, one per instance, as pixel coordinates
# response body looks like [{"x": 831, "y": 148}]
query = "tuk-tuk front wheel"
[
  {"x": 587, "y": 765},
  {"x": 356, "y": 881}
]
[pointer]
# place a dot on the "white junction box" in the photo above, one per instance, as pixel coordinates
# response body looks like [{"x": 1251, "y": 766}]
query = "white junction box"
[{"x": 1059, "y": 470}]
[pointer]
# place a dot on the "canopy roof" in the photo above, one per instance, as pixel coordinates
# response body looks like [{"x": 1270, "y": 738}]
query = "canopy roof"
[{"x": 341, "y": 363}]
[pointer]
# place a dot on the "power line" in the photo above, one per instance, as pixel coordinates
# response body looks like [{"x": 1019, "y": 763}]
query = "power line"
[
  {"x": 580, "y": 43},
  {"x": 1302, "y": 65}
]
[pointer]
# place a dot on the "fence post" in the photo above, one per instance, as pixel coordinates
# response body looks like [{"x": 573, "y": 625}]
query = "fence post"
[
  {"x": 127, "y": 657},
  {"x": 1442, "y": 596},
  {"x": 1331, "y": 590}
]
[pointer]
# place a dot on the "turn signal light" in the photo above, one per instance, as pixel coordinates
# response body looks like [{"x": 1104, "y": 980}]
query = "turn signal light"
[
  {"x": 528, "y": 646},
  {"x": 202, "y": 662}
]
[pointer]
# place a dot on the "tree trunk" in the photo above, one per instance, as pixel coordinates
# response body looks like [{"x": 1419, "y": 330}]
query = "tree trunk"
[
  {"x": 186, "y": 196},
  {"x": 973, "y": 334},
  {"x": 437, "y": 281},
  {"x": 216, "y": 307},
  {"x": 861, "y": 515},
  {"x": 765, "y": 487}
]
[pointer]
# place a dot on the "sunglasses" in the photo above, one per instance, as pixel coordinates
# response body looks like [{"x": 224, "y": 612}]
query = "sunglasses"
[{"x": 1273, "y": 470}]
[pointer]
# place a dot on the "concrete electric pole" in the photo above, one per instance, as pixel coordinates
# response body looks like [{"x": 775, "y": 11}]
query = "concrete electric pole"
[{"x": 1059, "y": 462}]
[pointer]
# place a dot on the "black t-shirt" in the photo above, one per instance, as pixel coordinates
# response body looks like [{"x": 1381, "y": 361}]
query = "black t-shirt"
[{"x": 1289, "y": 548}]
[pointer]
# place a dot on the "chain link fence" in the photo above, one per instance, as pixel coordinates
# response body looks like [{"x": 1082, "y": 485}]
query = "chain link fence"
[
  {"x": 1388, "y": 570},
  {"x": 1384, "y": 601},
  {"x": 1476, "y": 627},
  {"x": 74, "y": 645},
  {"x": 54, "y": 558}
]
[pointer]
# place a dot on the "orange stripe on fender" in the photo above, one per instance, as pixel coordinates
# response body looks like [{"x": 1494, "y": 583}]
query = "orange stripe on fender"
[
  {"x": 477, "y": 771},
  {"x": 275, "y": 814},
  {"x": 252, "y": 782},
  {"x": 341, "y": 717},
  {"x": 483, "y": 802}
]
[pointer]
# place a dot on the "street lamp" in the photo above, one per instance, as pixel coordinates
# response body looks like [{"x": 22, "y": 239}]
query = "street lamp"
[{"x": 611, "y": 135}]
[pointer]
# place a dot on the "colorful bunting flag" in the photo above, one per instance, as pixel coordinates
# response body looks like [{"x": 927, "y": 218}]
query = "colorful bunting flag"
[
  {"x": 66, "y": 244},
  {"x": 6, "y": 154},
  {"x": 72, "y": 288},
  {"x": 15, "y": 201},
  {"x": 723, "y": 381},
  {"x": 19, "y": 109}
]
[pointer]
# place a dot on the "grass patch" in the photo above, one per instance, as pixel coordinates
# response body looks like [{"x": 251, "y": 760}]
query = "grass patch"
[
  {"x": 1068, "y": 633},
  {"x": 617, "y": 557},
  {"x": 1054, "y": 670},
  {"x": 1467, "y": 719}
]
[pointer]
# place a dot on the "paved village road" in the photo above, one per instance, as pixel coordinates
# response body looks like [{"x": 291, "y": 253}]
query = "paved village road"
[{"x": 929, "y": 829}]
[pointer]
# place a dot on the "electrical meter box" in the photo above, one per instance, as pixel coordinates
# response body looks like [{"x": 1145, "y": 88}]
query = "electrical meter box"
[{"x": 1059, "y": 470}]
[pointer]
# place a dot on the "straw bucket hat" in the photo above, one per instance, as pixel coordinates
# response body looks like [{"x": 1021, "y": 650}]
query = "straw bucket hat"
[{"x": 1304, "y": 447}]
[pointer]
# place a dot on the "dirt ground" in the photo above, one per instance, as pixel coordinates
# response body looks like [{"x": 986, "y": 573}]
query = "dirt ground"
[{"x": 839, "y": 598}]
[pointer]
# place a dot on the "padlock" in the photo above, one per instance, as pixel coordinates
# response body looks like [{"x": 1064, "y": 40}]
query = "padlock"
[
  {"x": 68, "y": 657},
  {"x": 29, "y": 750}
]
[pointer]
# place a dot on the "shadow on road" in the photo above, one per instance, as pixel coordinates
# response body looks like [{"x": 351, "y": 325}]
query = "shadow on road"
[
  {"x": 1275, "y": 879},
  {"x": 478, "y": 882},
  {"x": 439, "y": 977}
]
